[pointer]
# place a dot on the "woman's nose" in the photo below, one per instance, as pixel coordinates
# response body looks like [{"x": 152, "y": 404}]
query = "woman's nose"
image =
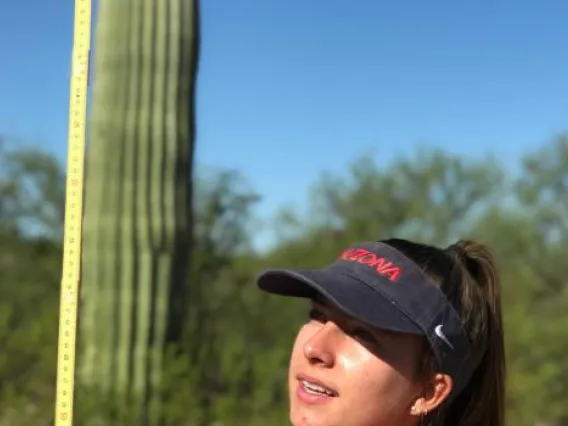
[{"x": 321, "y": 347}]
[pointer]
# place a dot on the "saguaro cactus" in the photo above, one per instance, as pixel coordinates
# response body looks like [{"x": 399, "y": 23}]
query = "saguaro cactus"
[{"x": 137, "y": 222}]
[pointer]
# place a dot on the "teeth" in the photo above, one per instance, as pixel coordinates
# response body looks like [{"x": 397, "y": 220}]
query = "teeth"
[{"x": 313, "y": 388}]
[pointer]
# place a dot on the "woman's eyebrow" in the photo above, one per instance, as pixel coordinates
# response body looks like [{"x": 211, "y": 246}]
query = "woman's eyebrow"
[{"x": 378, "y": 332}]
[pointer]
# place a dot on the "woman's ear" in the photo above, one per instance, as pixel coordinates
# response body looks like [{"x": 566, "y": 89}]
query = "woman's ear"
[{"x": 436, "y": 391}]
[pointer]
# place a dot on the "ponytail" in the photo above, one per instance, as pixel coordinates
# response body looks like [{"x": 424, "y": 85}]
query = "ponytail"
[{"x": 482, "y": 402}]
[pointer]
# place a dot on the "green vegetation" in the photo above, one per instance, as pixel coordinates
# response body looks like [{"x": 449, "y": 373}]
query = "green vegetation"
[{"x": 235, "y": 341}]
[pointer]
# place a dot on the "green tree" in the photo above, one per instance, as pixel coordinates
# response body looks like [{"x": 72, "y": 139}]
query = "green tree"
[
  {"x": 539, "y": 382},
  {"x": 31, "y": 196}
]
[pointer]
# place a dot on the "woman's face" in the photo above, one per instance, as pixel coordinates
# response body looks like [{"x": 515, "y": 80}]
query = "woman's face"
[{"x": 344, "y": 373}]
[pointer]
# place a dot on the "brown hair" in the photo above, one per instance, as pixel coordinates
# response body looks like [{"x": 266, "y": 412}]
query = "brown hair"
[{"x": 466, "y": 274}]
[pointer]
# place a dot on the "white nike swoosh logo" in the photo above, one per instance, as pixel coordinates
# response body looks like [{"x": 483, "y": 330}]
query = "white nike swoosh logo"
[{"x": 441, "y": 335}]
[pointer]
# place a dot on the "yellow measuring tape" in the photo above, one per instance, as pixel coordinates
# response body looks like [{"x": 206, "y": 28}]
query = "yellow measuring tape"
[{"x": 71, "y": 275}]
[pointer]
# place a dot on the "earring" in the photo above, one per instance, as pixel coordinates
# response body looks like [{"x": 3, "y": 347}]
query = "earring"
[{"x": 417, "y": 411}]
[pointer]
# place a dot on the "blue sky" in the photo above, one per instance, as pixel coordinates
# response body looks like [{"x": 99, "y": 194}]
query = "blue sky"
[{"x": 289, "y": 88}]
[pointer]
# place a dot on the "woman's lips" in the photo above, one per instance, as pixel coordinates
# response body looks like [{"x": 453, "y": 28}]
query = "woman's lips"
[{"x": 313, "y": 391}]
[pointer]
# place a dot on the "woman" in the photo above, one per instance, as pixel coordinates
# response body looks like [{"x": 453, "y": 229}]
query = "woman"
[{"x": 399, "y": 334}]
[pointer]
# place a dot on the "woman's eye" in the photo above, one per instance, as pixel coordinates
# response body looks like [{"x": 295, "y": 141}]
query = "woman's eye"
[
  {"x": 316, "y": 315},
  {"x": 365, "y": 335}
]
